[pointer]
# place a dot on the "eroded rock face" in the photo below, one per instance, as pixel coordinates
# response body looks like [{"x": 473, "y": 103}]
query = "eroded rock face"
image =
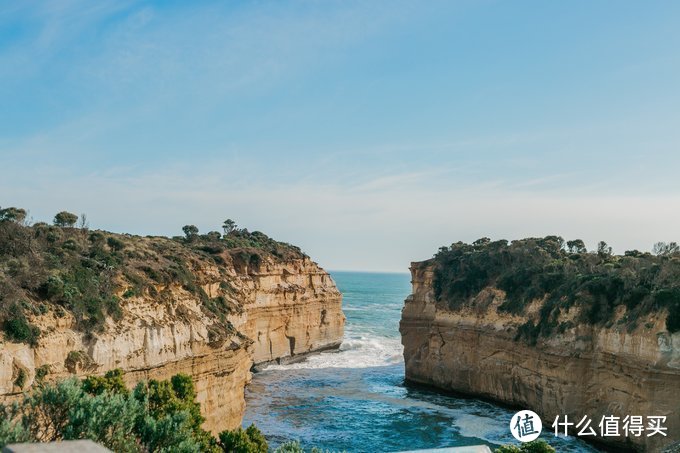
[
  {"x": 291, "y": 310},
  {"x": 278, "y": 309},
  {"x": 586, "y": 370}
]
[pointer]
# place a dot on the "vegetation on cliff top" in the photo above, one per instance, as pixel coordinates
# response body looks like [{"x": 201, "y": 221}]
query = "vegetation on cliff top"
[
  {"x": 66, "y": 267},
  {"x": 562, "y": 275}
]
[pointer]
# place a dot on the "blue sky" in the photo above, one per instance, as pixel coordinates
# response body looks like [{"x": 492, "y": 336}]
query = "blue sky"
[{"x": 369, "y": 133}]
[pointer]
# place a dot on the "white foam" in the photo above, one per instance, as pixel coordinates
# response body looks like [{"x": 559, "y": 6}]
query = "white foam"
[
  {"x": 358, "y": 352},
  {"x": 484, "y": 428}
]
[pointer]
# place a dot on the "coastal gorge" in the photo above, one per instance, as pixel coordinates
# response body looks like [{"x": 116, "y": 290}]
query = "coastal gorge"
[
  {"x": 545, "y": 325},
  {"x": 77, "y": 302}
]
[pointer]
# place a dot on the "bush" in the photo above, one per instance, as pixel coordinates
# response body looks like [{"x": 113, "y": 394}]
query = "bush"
[
  {"x": 290, "y": 447},
  {"x": 295, "y": 447},
  {"x": 536, "y": 446},
  {"x": 41, "y": 372},
  {"x": 673, "y": 319},
  {"x": 20, "y": 381},
  {"x": 19, "y": 330},
  {"x": 115, "y": 244},
  {"x": 249, "y": 440},
  {"x": 111, "y": 382},
  {"x": 159, "y": 416}
]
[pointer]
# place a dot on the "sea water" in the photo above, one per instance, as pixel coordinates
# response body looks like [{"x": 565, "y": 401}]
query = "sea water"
[{"x": 355, "y": 399}]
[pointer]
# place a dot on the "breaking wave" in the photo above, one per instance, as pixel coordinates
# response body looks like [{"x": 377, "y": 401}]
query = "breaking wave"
[{"x": 358, "y": 352}]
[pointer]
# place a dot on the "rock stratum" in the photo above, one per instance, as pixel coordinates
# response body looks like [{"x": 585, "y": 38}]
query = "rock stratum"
[
  {"x": 470, "y": 342},
  {"x": 204, "y": 306}
]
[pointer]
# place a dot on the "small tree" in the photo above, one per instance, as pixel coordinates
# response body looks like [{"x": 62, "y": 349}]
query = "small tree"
[
  {"x": 12, "y": 214},
  {"x": 214, "y": 236},
  {"x": 190, "y": 231},
  {"x": 249, "y": 440},
  {"x": 65, "y": 219},
  {"x": 228, "y": 226},
  {"x": 83, "y": 223},
  {"x": 603, "y": 249},
  {"x": 481, "y": 242},
  {"x": 665, "y": 249},
  {"x": 576, "y": 246}
]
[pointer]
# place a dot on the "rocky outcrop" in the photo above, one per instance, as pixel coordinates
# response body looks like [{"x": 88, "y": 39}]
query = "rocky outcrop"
[
  {"x": 291, "y": 310},
  {"x": 267, "y": 309},
  {"x": 585, "y": 370}
]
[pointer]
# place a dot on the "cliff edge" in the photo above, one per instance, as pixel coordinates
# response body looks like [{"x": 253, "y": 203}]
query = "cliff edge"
[
  {"x": 536, "y": 326},
  {"x": 79, "y": 302}
]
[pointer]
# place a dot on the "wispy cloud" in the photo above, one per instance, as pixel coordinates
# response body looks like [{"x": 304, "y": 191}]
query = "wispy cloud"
[{"x": 368, "y": 132}]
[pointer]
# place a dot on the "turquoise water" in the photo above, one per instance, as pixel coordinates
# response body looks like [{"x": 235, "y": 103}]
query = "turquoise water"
[{"x": 355, "y": 399}]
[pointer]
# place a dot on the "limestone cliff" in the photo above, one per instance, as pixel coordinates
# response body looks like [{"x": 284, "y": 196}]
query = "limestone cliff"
[
  {"x": 209, "y": 310},
  {"x": 290, "y": 310},
  {"x": 595, "y": 370}
]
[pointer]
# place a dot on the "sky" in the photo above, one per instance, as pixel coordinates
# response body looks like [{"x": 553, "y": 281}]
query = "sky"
[{"x": 369, "y": 133}]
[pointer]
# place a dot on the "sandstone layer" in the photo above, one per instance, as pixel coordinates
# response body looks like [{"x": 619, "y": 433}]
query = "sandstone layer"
[
  {"x": 276, "y": 308},
  {"x": 586, "y": 370}
]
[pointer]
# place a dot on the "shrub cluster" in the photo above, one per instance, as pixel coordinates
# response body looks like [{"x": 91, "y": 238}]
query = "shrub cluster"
[
  {"x": 536, "y": 446},
  {"x": 563, "y": 276},
  {"x": 157, "y": 416}
]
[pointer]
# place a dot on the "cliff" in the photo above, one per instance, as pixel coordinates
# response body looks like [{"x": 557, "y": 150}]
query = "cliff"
[
  {"x": 82, "y": 303},
  {"x": 470, "y": 343}
]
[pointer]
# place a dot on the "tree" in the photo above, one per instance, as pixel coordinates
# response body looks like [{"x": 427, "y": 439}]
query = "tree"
[
  {"x": 576, "y": 246},
  {"x": 249, "y": 440},
  {"x": 228, "y": 226},
  {"x": 481, "y": 242},
  {"x": 83, "y": 223},
  {"x": 603, "y": 249},
  {"x": 665, "y": 249},
  {"x": 65, "y": 219},
  {"x": 214, "y": 235},
  {"x": 190, "y": 231},
  {"x": 12, "y": 214}
]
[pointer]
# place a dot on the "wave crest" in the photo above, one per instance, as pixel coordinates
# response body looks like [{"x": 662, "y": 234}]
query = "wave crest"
[{"x": 360, "y": 352}]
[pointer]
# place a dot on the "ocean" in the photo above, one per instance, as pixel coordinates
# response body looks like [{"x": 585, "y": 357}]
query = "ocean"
[{"x": 355, "y": 400}]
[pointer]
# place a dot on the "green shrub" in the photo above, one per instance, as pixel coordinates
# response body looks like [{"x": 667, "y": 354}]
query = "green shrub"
[
  {"x": 536, "y": 446},
  {"x": 673, "y": 319},
  {"x": 249, "y": 440},
  {"x": 20, "y": 381},
  {"x": 111, "y": 382},
  {"x": 296, "y": 447},
  {"x": 19, "y": 330},
  {"x": 41, "y": 372},
  {"x": 159, "y": 416},
  {"x": 290, "y": 447},
  {"x": 115, "y": 244}
]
